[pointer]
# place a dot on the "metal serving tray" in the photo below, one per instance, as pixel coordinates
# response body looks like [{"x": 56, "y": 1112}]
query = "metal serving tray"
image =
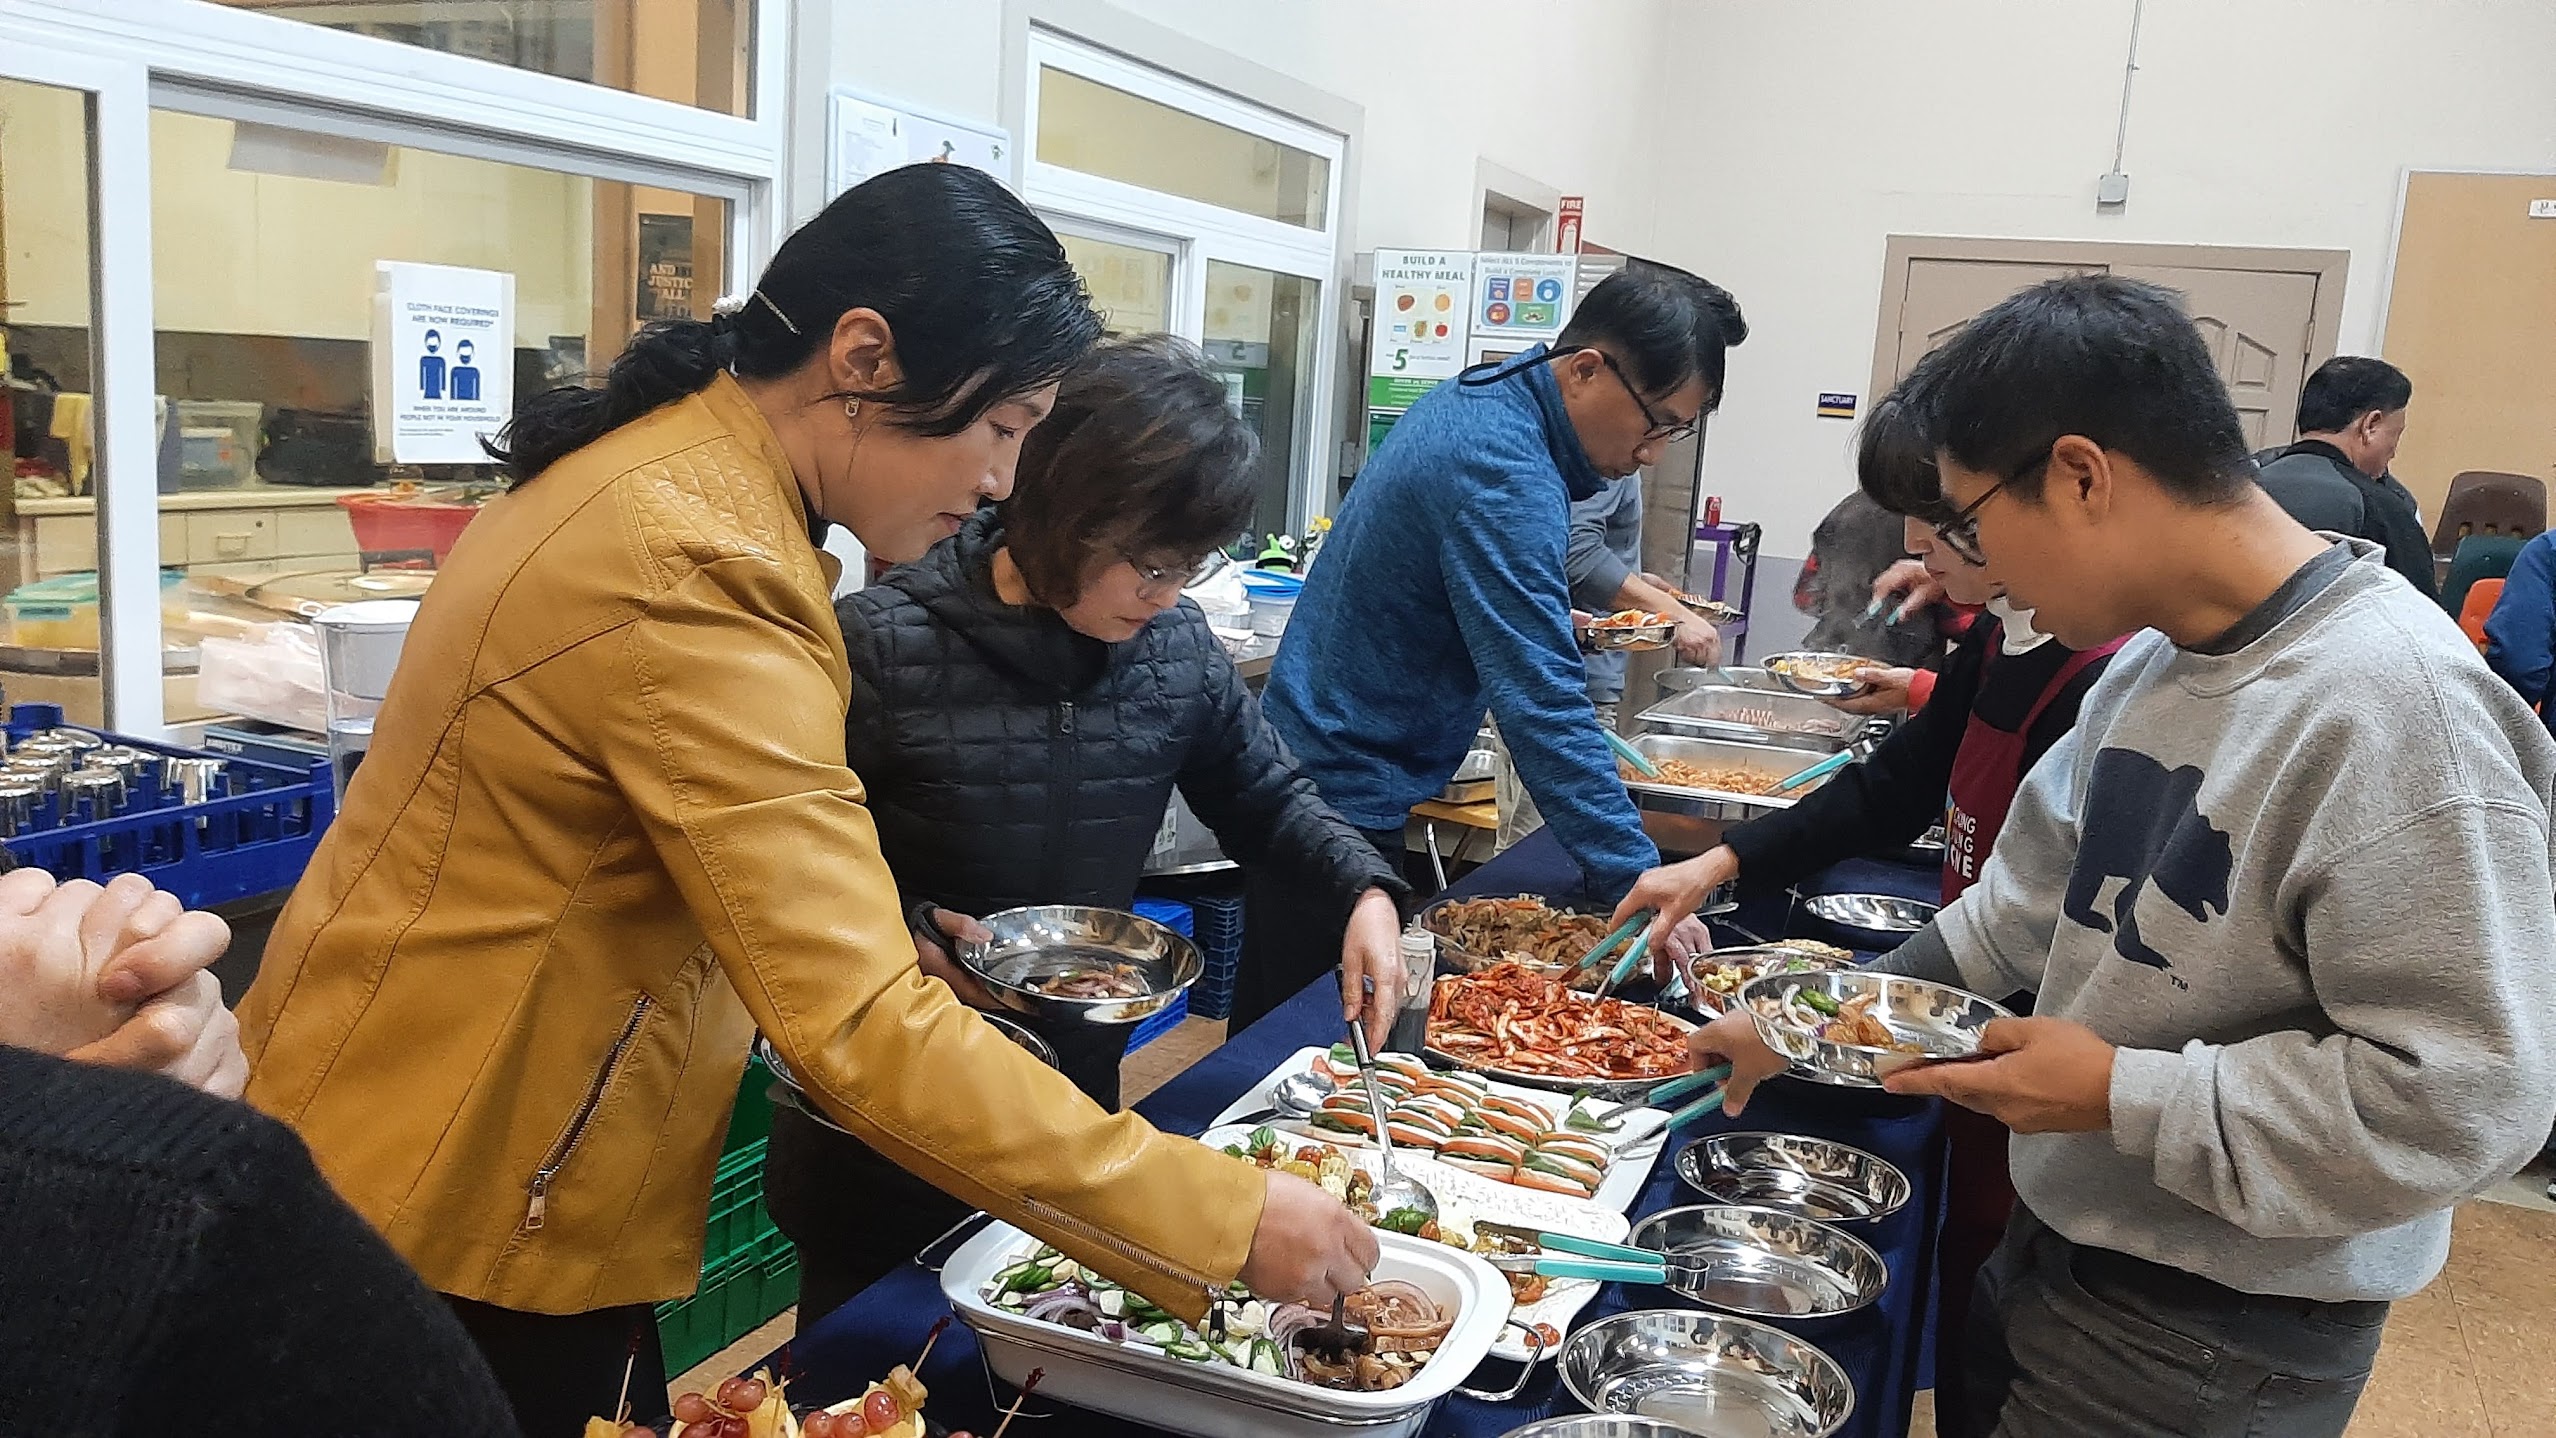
[
  {"x": 1690, "y": 821},
  {"x": 1754, "y": 716}
]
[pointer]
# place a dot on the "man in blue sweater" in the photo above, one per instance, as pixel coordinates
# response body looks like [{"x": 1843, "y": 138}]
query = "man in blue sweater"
[{"x": 1442, "y": 591}]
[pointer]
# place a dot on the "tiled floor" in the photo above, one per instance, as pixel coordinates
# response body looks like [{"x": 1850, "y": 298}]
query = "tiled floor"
[{"x": 2468, "y": 1356}]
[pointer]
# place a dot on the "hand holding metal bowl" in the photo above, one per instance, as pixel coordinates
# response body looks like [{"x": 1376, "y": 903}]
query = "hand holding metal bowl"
[
  {"x": 1925, "y": 1022},
  {"x": 1072, "y": 964},
  {"x": 1629, "y": 631},
  {"x": 1820, "y": 675}
]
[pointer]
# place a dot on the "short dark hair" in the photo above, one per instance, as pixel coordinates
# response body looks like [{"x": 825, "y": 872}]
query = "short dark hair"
[
  {"x": 2347, "y": 387},
  {"x": 1895, "y": 452},
  {"x": 1662, "y": 324},
  {"x": 1143, "y": 459},
  {"x": 2114, "y": 360}
]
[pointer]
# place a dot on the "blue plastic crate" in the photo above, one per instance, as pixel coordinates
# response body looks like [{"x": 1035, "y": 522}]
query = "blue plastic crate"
[
  {"x": 1219, "y": 937},
  {"x": 255, "y": 839},
  {"x": 1172, "y": 914}
]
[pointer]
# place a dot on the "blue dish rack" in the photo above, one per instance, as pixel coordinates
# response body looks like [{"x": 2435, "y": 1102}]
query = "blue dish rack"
[{"x": 255, "y": 839}]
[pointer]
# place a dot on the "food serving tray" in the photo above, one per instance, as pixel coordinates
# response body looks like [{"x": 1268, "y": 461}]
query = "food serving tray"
[
  {"x": 1465, "y": 1199},
  {"x": 1144, "y": 1385},
  {"x": 1690, "y": 821},
  {"x": 1754, "y": 716},
  {"x": 1636, "y": 1145}
]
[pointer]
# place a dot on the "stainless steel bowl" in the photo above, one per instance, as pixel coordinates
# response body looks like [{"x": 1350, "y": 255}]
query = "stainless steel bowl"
[
  {"x": 1791, "y": 1173},
  {"x": 1736, "y": 676},
  {"x": 1763, "y": 1262},
  {"x": 1941, "y": 1020},
  {"x": 1708, "y": 1375},
  {"x": 1628, "y": 638},
  {"x": 1780, "y": 665},
  {"x": 1755, "y": 961},
  {"x": 1600, "y": 1425},
  {"x": 1050, "y": 941},
  {"x": 1881, "y": 913}
]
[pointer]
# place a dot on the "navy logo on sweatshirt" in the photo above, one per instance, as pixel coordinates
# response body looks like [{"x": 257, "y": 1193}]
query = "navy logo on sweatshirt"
[{"x": 2141, "y": 825}]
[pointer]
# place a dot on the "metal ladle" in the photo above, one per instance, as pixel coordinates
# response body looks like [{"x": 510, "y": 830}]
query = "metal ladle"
[{"x": 1394, "y": 1193}]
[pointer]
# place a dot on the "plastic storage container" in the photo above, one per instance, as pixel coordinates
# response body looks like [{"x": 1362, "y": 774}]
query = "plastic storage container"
[
  {"x": 1273, "y": 600},
  {"x": 62, "y": 612},
  {"x": 391, "y": 524},
  {"x": 218, "y": 442}
]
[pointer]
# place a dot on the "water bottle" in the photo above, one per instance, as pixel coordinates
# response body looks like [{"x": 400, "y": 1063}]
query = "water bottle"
[{"x": 1419, "y": 968}]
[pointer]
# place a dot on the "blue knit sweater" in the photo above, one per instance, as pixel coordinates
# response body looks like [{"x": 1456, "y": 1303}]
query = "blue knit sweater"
[{"x": 1441, "y": 592}]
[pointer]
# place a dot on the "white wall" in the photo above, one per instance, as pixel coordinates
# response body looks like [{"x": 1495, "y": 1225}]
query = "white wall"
[
  {"x": 1568, "y": 100},
  {"x": 1815, "y": 131}
]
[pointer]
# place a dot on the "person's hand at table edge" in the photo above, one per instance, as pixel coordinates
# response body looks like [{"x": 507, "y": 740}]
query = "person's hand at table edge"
[
  {"x": 2036, "y": 1075},
  {"x": 1371, "y": 977},
  {"x": 1674, "y": 892},
  {"x": 1733, "y": 1039},
  {"x": 1695, "y": 639},
  {"x": 1889, "y": 693},
  {"x": 1309, "y": 1248},
  {"x": 935, "y": 959}
]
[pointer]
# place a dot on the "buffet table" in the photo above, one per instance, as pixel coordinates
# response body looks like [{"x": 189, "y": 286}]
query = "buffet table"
[{"x": 1879, "y": 1348}]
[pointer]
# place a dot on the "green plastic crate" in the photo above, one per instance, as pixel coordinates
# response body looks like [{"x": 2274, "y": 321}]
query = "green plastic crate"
[
  {"x": 691, "y": 1329},
  {"x": 750, "y": 1122},
  {"x": 738, "y": 1215}
]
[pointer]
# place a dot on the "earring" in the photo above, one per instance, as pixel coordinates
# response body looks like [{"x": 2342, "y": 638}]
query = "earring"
[{"x": 851, "y": 409}]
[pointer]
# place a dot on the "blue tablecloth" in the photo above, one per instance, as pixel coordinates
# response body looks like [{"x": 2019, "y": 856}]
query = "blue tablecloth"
[{"x": 1880, "y": 1348}]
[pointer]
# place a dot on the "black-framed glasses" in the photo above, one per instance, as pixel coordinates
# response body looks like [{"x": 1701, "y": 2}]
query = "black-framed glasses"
[
  {"x": 1960, "y": 533},
  {"x": 1660, "y": 429},
  {"x": 1155, "y": 578}
]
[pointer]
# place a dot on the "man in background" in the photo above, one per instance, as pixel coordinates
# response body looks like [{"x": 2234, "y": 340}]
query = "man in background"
[
  {"x": 1444, "y": 590},
  {"x": 2351, "y": 419}
]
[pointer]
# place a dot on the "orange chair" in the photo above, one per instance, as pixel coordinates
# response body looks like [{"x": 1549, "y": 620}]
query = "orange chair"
[{"x": 2481, "y": 597}]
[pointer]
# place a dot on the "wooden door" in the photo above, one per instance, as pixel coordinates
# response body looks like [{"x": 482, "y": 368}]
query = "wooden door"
[
  {"x": 2258, "y": 324},
  {"x": 2269, "y": 316},
  {"x": 2471, "y": 319},
  {"x": 1942, "y": 295}
]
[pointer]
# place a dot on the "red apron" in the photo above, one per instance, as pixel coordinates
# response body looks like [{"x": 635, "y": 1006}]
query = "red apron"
[
  {"x": 1979, "y": 1193},
  {"x": 1987, "y": 770}
]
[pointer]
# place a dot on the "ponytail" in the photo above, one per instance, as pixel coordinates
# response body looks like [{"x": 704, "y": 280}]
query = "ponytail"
[
  {"x": 979, "y": 298},
  {"x": 662, "y": 363}
]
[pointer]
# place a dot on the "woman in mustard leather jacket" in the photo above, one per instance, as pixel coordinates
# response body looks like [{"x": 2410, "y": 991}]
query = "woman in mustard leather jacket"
[{"x": 605, "y": 831}]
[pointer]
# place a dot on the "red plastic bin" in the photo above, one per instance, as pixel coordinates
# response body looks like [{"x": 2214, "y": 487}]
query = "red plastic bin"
[{"x": 386, "y": 523}]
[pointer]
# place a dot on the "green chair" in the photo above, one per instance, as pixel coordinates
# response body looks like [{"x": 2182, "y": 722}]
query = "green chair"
[{"x": 2480, "y": 556}]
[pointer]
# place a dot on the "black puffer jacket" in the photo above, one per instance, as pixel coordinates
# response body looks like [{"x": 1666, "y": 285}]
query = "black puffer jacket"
[{"x": 1011, "y": 761}]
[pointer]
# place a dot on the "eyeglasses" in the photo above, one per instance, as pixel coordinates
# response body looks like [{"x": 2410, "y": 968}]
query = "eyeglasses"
[
  {"x": 1661, "y": 429},
  {"x": 1960, "y": 533},
  {"x": 1155, "y": 579}
]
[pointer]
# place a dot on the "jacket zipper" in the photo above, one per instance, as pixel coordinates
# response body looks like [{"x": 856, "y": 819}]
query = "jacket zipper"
[
  {"x": 1143, "y": 1258},
  {"x": 557, "y": 1158},
  {"x": 1060, "y": 791}
]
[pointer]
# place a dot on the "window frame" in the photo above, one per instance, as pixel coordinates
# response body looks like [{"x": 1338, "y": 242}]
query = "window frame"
[
  {"x": 1199, "y": 233},
  {"x": 138, "y": 55}
]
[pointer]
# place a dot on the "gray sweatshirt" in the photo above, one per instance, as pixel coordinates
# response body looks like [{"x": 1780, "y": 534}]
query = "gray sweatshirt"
[{"x": 2304, "y": 887}]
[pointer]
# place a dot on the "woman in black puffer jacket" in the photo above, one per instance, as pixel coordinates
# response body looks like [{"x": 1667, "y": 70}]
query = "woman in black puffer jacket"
[{"x": 1024, "y": 699}]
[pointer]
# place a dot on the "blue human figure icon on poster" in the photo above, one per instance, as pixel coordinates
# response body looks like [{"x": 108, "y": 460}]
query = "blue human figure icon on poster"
[
  {"x": 465, "y": 373},
  {"x": 430, "y": 368}
]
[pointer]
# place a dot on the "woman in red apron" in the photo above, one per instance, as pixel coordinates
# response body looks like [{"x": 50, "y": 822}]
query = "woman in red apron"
[{"x": 2005, "y": 694}]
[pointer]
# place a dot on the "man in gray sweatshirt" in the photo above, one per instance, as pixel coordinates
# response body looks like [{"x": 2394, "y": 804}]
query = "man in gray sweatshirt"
[{"x": 2283, "y": 896}]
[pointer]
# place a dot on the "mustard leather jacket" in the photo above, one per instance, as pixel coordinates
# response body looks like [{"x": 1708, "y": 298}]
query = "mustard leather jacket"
[{"x": 604, "y": 833}]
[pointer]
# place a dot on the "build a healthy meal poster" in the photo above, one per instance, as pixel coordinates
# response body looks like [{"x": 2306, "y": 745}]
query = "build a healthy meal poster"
[
  {"x": 443, "y": 361},
  {"x": 1424, "y": 301}
]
